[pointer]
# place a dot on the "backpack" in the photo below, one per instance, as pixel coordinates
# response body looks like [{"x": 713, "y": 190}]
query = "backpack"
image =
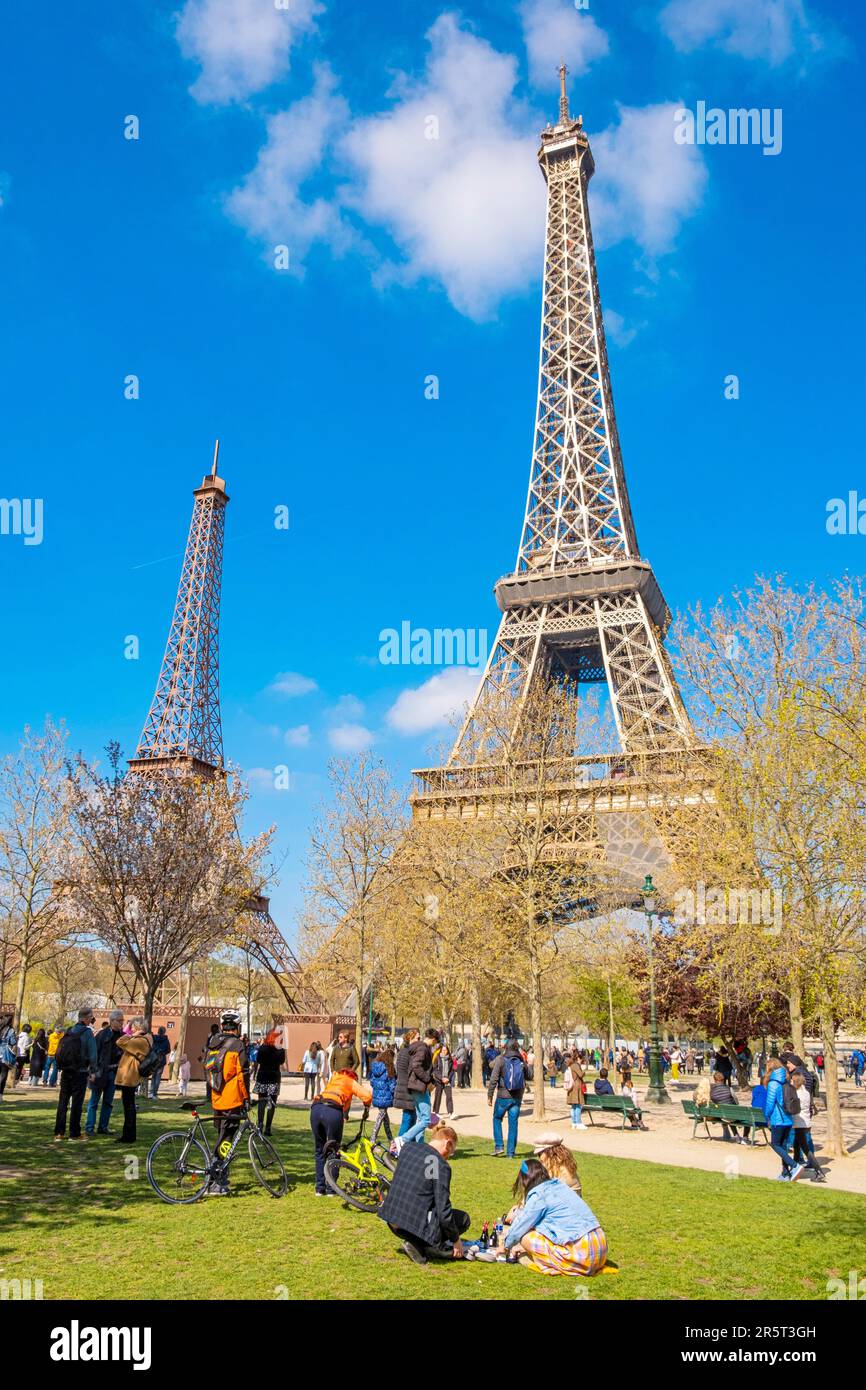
[
  {"x": 68, "y": 1054},
  {"x": 214, "y": 1061},
  {"x": 513, "y": 1073},
  {"x": 790, "y": 1099},
  {"x": 7, "y": 1048},
  {"x": 152, "y": 1061}
]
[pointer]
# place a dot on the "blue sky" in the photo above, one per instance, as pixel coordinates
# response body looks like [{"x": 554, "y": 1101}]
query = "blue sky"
[{"x": 408, "y": 257}]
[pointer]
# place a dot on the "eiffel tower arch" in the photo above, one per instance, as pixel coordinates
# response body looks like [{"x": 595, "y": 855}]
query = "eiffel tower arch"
[
  {"x": 182, "y": 733},
  {"x": 582, "y": 606}
]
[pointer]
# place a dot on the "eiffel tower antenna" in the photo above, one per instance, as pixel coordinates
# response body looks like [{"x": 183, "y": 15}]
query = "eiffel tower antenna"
[
  {"x": 564, "y": 117},
  {"x": 183, "y": 729},
  {"x": 581, "y": 605}
]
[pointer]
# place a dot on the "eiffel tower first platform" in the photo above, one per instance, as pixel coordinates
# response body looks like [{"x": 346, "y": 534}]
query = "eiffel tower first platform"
[{"x": 582, "y": 604}]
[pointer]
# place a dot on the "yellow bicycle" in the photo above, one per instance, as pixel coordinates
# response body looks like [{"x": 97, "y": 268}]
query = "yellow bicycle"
[{"x": 359, "y": 1172}]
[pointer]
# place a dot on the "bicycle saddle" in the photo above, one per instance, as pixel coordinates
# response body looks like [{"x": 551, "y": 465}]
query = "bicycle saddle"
[{"x": 191, "y": 1105}]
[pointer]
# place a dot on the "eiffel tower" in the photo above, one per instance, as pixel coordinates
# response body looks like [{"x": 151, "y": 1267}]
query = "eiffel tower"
[
  {"x": 582, "y": 605},
  {"x": 183, "y": 730}
]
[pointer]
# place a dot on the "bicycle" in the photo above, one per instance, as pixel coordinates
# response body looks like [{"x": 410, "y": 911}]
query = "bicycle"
[
  {"x": 359, "y": 1172},
  {"x": 181, "y": 1164}
]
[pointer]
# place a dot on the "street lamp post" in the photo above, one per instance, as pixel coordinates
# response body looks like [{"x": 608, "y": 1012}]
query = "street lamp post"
[{"x": 656, "y": 1092}]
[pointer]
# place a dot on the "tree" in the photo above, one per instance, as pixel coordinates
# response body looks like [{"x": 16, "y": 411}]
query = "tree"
[
  {"x": 34, "y": 845},
  {"x": 778, "y": 677},
  {"x": 352, "y": 844},
  {"x": 160, "y": 873}
]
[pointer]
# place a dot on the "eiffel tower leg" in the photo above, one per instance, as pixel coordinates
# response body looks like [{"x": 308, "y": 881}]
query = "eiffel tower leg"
[
  {"x": 514, "y": 663},
  {"x": 647, "y": 706}
]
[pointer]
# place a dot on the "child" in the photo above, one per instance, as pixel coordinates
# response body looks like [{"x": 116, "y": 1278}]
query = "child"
[
  {"x": 383, "y": 1079},
  {"x": 601, "y": 1085},
  {"x": 630, "y": 1092},
  {"x": 804, "y": 1152},
  {"x": 183, "y": 1075}
]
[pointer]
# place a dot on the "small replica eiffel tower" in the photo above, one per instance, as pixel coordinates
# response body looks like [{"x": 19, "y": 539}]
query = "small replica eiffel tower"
[
  {"x": 183, "y": 729},
  {"x": 582, "y": 605}
]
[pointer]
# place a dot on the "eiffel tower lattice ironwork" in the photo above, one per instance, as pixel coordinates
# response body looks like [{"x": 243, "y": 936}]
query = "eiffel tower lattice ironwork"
[
  {"x": 582, "y": 604},
  {"x": 183, "y": 729}
]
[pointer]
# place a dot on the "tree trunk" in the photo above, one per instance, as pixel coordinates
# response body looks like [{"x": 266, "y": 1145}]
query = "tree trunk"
[
  {"x": 795, "y": 1006},
  {"x": 19, "y": 997},
  {"x": 184, "y": 1020},
  {"x": 149, "y": 998},
  {"x": 835, "y": 1138},
  {"x": 610, "y": 1016},
  {"x": 475, "y": 1011},
  {"x": 538, "y": 1111}
]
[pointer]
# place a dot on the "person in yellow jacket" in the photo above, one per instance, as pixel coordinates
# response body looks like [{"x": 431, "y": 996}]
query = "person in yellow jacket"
[
  {"x": 49, "y": 1071},
  {"x": 228, "y": 1065},
  {"x": 328, "y": 1115}
]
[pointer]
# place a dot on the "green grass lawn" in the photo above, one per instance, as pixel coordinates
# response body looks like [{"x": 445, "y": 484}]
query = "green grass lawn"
[{"x": 76, "y": 1217}]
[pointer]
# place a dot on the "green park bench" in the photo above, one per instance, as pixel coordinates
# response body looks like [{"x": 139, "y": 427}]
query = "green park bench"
[
  {"x": 746, "y": 1116},
  {"x": 621, "y": 1105}
]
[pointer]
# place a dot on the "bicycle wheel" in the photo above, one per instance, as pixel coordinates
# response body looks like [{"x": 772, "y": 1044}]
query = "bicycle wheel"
[
  {"x": 363, "y": 1191},
  {"x": 178, "y": 1168},
  {"x": 267, "y": 1165},
  {"x": 384, "y": 1156}
]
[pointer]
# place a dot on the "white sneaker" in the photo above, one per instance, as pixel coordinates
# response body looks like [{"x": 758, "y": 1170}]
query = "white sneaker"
[{"x": 580, "y": 1126}]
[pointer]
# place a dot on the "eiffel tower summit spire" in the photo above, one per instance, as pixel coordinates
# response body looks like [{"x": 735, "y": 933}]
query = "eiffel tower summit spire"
[
  {"x": 183, "y": 724},
  {"x": 581, "y": 604}
]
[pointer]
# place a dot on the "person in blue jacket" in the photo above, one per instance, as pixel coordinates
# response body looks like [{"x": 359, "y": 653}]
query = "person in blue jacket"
[
  {"x": 553, "y": 1230},
  {"x": 383, "y": 1079},
  {"x": 778, "y": 1119}
]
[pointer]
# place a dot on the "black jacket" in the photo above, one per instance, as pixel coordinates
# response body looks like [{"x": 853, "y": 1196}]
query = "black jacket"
[
  {"x": 403, "y": 1097},
  {"x": 268, "y": 1063},
  {"x": 420, "y": 1066},
  {"x": 107, "y": 1052},
  {"x": 419, "y": 1199}
]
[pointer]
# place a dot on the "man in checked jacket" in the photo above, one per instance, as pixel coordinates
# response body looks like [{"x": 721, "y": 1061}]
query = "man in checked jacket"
[{"x": 418, "y": 1205}]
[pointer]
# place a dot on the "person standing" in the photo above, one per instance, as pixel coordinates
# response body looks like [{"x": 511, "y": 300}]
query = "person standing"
[
  {"x": 778, "y": 1118},
  {"x": 404, "y": 1099},
  {"x": 804, "y": 1151},
  {"x": 104, "y": 1078},
  {"x": 311, "y": 1065},
  {"x": 230, "y": 1091},
  {"x": 49, "y": 1075},
  {"x": 8, "y": 1052},
  {"x": 38, "y": 1055},
  {"x": 184, "y": 1072},
  {"x": 383, "y": 1079},
  {"x": 676, "y": 1059},
  {"x": 575, "y": 1088},
  {"x": 461, "y": 1053},
  {"x": 418, "y": 1085},
  {"x": 344, "y": 1054},
  {"x": 134, "y": 1047},
  {"x": 76, "y": 1059},
  {"x": 858, "y": 1065},
  {"x": 214, "y": 1030},
  {"x": 23, "y": 1046},
  {"x": 161, "y": 1045},
  {"x": 442, "y": 1063},
  {"x": 269, "y": 1076},
  {"x": 506, "y": 1085}
]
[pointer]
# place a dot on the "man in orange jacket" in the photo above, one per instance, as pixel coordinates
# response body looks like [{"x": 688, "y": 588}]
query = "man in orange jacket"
[
  {"x": 228, "y": 1066},
  {"x": 328, "y": 1115}
]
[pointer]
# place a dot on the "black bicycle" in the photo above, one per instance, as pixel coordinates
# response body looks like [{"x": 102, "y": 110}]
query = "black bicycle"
[{"x": 181, "y": 1164}]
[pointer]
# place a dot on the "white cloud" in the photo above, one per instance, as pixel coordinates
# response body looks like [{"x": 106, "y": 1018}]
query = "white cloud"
[
  {"x": 291, "y": 683},
  {"x": 260, "y": 778},
  {"x": 618, "y": 330},
  {"x": 351, "y": 738},
  {"x": 555, "y": 32},
  {"x": 298, "y": 737},
  {"x": 466, "y": 208},
  {"x": 432, "y": 704},
  {"x": 268, "y": 203},
  {"x": 646, "y": 183},
  {"x": 770, "y": 30},
  {"x": 348, "y": 707},
  {"x": 240, "y": 45}
]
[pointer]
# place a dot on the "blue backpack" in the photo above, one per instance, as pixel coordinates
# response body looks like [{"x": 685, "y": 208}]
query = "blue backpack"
[{"x": 513, "y": 1073}]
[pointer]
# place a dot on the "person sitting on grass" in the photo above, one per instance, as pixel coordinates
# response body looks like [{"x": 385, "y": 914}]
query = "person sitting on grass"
[
  {"x": 417, "y": 1207},
  {"x": 553, "y": 1231},
  {"x": 558, "y": 1161},
  {"x": 721, "y": 1094}
]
